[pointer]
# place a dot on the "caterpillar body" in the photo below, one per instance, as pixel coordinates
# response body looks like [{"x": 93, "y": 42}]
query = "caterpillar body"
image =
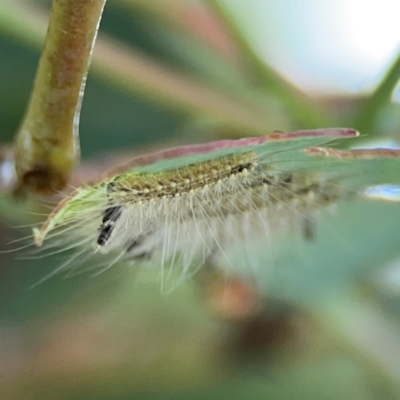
[{"x": 191, "y": 206}]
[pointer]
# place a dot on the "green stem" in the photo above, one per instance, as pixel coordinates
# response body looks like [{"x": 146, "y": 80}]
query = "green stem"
[
  {"x": 138, "y": 74},
  {"x": 47, "y": 146},
  {"x": 299, "y": 106},
  {"x": 368, "y": 114}
]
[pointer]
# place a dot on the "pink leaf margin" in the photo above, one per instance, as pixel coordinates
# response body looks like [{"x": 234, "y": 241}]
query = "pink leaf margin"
[{"x": 204, "y": 148}]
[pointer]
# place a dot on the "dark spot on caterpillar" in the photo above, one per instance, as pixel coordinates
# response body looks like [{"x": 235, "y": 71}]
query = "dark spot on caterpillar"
[
  {"x": 288, "y": 179},
  {"x": 110, "y": 217},
  {"x": 136, "y": 243},
  {"x": 111, "y": 214},
  {"x": 110, "y": 187},
  {"x": 241, "y": 168},
  {"x": 135, "y": 253},
  {"x": 309, "y": 228},
  {"x": 266, "y": 181}
]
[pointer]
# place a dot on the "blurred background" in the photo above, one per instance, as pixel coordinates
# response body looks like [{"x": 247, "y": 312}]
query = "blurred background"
[{"x": 323, "y": 319}]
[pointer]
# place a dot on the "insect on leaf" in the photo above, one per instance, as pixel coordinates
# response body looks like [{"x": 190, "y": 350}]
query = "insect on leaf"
[{"x": 186, "y": 207}]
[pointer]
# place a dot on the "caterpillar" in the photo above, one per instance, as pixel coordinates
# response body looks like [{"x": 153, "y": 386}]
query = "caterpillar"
[{"x": 192, "y": 206}]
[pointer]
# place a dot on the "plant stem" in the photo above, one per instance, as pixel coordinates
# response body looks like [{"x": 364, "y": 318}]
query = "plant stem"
[
  {"x": 47, "y": 146},
  {"x": 301, "y": 108},
  {"x": 365, "y": 120},
  {"x": 138, "y": 74}
]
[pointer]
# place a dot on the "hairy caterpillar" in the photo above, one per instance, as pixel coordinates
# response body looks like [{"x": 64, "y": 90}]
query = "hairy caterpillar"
[{"x": 193, "y": 205}]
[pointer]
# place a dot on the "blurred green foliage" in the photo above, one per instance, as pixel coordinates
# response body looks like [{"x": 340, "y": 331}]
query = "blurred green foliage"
[{"x": 327, "y": 326}]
